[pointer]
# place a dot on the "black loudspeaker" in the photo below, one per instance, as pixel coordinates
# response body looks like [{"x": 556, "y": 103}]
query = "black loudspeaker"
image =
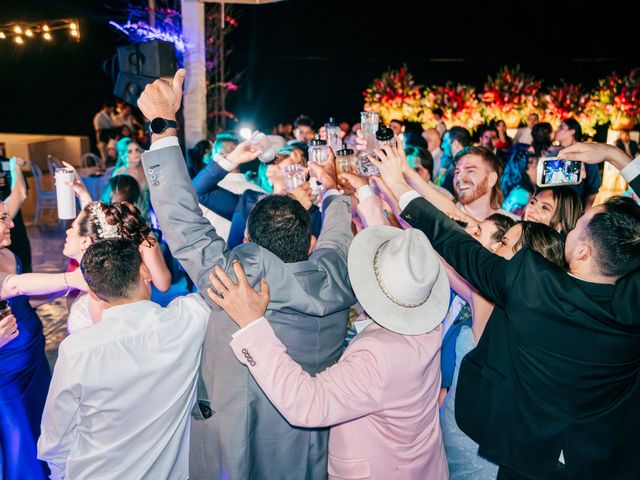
[
  {"x": 151, "y": 59},
  {"x": 129, "y": 87}
]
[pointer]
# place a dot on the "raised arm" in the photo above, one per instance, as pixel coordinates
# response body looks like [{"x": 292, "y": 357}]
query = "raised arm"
[
  {"x": 215, "y": 198},
  {"x": 336, "y": 231},
  {"x": 191, "y": 238},
  {"x": 153, "y": 259},
  {"x": 594, "y": 153},
  {"x": 484, "y": 270},
  {"x": 18, "y": 187}
]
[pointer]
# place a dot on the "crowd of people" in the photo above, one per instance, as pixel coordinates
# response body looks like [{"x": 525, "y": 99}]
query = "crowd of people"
[{"x": 445, "y": 318}]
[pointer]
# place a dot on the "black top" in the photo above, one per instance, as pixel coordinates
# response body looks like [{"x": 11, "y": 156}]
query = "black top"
[{"x": 558, "y": 366}]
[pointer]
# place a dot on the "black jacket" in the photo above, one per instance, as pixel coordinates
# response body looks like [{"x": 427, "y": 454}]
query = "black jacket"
[{"x": 558, "y": 366}]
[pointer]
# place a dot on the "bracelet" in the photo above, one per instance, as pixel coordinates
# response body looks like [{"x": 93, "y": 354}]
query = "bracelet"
[{"x": 64, "y": 275}]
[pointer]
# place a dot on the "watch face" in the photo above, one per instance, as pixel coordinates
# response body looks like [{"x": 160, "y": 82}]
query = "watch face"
[{"x": 158, "y": 125}]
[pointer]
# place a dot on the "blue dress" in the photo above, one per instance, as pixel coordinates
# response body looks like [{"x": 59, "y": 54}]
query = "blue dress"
[
  {"x": 24, "y": 383},
  {"x": 462, "y": 452}
]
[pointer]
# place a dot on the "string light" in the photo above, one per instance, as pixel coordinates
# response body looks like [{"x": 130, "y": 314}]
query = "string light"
[{"x": 22, "y": 32}]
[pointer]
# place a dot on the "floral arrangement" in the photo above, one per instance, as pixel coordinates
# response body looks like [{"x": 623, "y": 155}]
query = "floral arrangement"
[
  {"x": 395, "y": 95},
  {"x": 458, "y": 102},
  {"x": 510, "y": 96},
  {"x": 566, "y": 101},
  {"x": 616, "y": 99}
]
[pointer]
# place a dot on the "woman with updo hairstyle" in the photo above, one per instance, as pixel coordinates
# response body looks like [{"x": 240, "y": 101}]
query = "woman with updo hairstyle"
[{"x": 100, "y": 221}]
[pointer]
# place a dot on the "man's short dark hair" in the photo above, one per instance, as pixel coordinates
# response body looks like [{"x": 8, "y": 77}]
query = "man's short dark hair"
[
  {"x": 502, "y": 223},
  {"x": 573, "y": 124},
  {"x": 615, "y": 236},
  {"x": 303, "y": 121},
  {"x": 281, "y": 225},
  {"x": 461, "y": 135},
  {"x": 111, "y": 268},
  {"x": 485, "y": 128},
  {"x": 437, "y": 111},
  {"x": 395, "y": 120}
]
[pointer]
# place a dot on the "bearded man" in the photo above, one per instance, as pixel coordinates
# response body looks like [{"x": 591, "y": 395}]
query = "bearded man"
[{"x": 475, "y": 181}]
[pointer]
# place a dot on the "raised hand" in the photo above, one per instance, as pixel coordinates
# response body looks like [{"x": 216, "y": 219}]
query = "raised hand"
[
  {"x": 8, "y": 330},
  {"x": 241, "y": 302},
  {"x": 595, "y": 153},
  {"x": 161, "y": 100},
  {"x": 351, "y": 182},
  {"x": 391, "y": 163},
  {"x": 326, "y": 174},
  {"x": 304, "y": 194},
  {"x": 79, "y": 187},
  {"x": 243, "y": 153}
]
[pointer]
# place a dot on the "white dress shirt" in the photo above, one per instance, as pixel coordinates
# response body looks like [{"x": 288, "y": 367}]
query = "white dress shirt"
[{"x": 122, "y": 391}]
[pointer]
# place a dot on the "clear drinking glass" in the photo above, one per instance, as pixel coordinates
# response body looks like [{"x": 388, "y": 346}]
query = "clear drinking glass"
[
  {"x": 334, "y": 134},
  {"x": 318, "y": 151},
  {"x": 369, "y": 122},
  {"x": 293, "y": 177},
  {"x": 260, "y": 141}
]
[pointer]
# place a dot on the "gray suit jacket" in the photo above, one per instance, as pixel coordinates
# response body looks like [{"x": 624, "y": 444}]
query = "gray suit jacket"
[{"x": 246, "y": 437}]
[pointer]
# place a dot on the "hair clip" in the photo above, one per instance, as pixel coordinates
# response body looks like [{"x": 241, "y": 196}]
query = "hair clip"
[{"x": 105, "y": 229}]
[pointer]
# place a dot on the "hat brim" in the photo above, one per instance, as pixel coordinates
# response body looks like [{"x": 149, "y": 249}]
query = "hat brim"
[{"x": 390, "y": 315}]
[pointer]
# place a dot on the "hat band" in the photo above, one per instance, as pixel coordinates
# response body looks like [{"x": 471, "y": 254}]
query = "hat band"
[{"x": 385, "y": 291}]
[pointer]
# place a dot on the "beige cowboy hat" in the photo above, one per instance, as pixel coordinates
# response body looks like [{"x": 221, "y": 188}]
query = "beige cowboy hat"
[{"x": 399, "y": 279}]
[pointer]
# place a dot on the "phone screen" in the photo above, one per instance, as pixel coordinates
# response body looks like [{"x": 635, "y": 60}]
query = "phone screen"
[
  {"x": 553, "y": 171},
  {"x": 6, "y": 165}
]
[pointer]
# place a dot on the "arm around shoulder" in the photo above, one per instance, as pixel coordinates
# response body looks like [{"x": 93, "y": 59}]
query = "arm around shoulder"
[{"x": 351, "y": 388}]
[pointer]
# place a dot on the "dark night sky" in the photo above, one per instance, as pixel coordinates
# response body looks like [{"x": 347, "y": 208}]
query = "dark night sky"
[{"x": 303, "y": 56}]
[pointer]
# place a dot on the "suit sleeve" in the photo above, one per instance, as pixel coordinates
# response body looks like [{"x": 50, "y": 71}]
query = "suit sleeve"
[
  {"x": 489, "y": 273},
  {"x": 371, "y": 212},
  {"x": 336, "y": 225},
  {"x": 351, "y": 388},
  {"x": 216, "y": 199},
  {"x": 191, "y": 238}
]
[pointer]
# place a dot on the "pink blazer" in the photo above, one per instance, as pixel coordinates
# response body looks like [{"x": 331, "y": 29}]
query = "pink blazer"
[{"x": 380, "y": 399}]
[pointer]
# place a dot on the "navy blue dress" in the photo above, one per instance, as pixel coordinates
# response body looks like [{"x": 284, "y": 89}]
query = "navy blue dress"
[{"x": 24, "y": 383}]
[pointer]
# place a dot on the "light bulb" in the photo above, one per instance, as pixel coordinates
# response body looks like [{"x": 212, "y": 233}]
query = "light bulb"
[
  {"x": 74, "y": 33},
  {"x": 46, "y": 36},
  {"x": 28, "y": 33},
  {"x": 45, "y": 28},
  {"x": 19, "y": 40},
  {"x": 73, "y": 26},
  {"x": 2, "y": 35},
  {"x": 17, "y": 29}
]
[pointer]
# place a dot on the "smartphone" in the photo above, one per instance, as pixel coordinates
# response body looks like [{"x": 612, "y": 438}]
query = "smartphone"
[{"x": 553, "y": 171}]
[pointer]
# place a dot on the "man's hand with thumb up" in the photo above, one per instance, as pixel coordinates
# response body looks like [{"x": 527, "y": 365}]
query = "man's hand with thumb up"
[{"x": 159, "y": 99}]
